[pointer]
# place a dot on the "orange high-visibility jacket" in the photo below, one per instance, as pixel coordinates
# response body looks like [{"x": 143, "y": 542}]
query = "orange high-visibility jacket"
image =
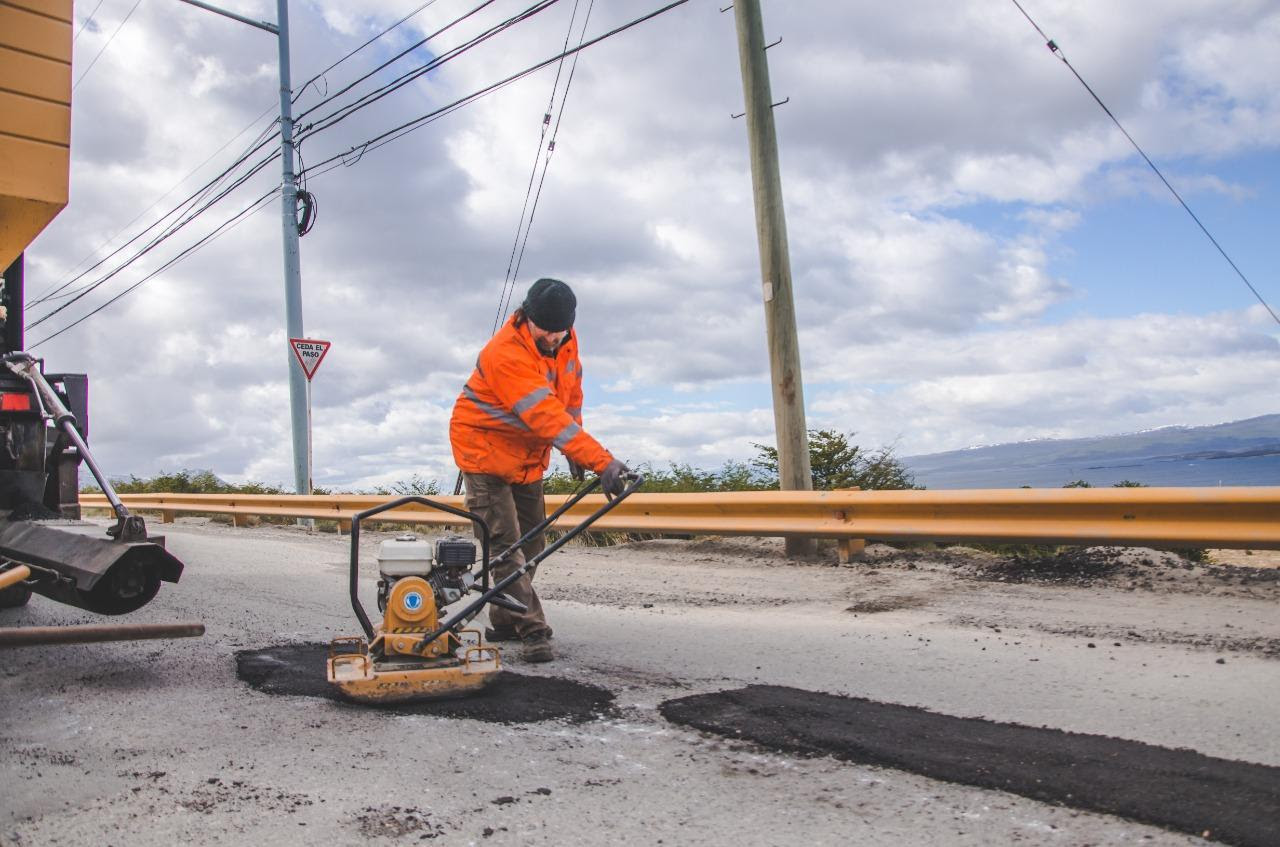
[{"x": 519, "y": 403}]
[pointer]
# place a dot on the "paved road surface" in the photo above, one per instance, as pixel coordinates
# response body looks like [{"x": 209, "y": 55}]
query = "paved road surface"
[{"x": 160, "y": 743}]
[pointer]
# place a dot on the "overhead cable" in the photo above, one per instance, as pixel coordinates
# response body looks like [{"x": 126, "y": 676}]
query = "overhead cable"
[
  {"x": 158, "y": 240},
  {"x": 191, "y": 201},
  {"x": 1057, "y": 51},
  {"x": 508, "y": 284},
  {"x": 227, "y": 225},
  {"x": 415, "y": 12},
  {"x": 407, "y": 127},
  {"x": 86, "y": 21},
  {"x": 347, "y": 110},
  {"x": 298, "y": 119},
  {"x": 55, "y": 291},
  {"x": 551, "y": 149},
  {"x": 111, "y": 38}
]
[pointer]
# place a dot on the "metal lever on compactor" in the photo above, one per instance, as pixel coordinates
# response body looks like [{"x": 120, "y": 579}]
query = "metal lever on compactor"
[
  {"x": 508, "y": 602},
  {"x": 635, "y": 480},
  {"x": 128, "y": 527}
]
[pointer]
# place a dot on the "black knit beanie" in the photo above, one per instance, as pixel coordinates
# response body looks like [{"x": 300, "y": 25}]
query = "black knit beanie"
[{"x": 550, "y": 304}]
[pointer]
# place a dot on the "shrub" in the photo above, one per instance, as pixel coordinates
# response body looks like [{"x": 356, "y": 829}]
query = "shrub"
[{"x": 836, "y": 463}]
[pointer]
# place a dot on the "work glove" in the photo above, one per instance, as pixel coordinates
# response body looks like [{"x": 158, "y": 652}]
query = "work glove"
[
  {"x": 614, "y": 479},
  {"x": 576, "y": 471}
]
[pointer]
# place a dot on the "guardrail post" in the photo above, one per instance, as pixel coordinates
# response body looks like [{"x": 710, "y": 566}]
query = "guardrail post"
[
  {"x": 168, "y": 515},
  {"x": 847, "y": 549},
  {"x": 344, "y": 525},
  {"x": 238, "y": 519}
]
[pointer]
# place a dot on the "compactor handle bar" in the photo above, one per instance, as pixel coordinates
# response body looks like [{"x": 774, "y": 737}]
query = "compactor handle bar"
[
  {"x": 568, "y": 504},
  {"x": 469, "y": 611},
  {"x": 453, "y": 510}
]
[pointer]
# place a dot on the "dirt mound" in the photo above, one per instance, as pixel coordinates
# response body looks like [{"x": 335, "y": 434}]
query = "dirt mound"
[
  {"x": 1120, "y": 568},
  {"x": 299, "y": 670},
  {"x": 1233, "y": 802},
  {"x": 1072, "y": 566}
]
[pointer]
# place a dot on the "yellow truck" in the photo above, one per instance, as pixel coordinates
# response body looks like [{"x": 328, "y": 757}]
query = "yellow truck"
[
  {"x": 44, "y": 417},
  {"x": 35, "y": 119}
]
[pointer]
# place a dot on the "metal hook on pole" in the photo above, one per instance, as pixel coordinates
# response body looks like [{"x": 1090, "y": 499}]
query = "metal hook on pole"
[
  {"x": 774, "y": 44},
  {"x": 780, "y": 103},
  {"x": 726, "y": 8}
]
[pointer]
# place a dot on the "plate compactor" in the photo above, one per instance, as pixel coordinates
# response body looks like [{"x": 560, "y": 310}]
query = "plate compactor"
[{"x": 418, "y": 652}]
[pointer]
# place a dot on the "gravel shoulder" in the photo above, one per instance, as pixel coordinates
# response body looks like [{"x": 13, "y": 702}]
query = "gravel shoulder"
[{"x": 152, "y": 743}]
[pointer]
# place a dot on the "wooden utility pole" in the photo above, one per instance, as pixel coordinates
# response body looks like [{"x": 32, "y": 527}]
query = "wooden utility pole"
[{"x": 775, "y": 262}]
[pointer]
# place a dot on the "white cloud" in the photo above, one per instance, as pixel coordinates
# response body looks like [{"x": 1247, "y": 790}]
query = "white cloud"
[{"x": 925, "y": 318}]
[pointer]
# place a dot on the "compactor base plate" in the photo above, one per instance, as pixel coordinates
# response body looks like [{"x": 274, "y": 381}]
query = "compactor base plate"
[{"x": 365, "y": 678}]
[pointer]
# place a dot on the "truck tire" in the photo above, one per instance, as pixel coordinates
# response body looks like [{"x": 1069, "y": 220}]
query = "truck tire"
[{"x": 14, "y": 596}]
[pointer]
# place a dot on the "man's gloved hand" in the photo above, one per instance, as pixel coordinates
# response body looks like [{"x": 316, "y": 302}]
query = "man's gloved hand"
[
  {"x": 613, "y": 479},
  {"x": 576, "y": 471}
]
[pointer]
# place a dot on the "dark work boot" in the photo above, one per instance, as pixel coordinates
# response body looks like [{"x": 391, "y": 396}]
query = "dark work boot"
[
  {"x": 500, "y": 633},
  {"x": 537, "y": 648},
  {"x": 506, "y": 633}
]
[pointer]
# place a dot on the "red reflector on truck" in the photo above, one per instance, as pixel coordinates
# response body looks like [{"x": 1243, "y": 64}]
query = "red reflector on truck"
[{"x": 15, "y": 402}]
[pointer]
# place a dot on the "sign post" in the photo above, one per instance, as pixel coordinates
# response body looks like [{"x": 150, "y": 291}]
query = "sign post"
[{"x": 310, "y": 353}]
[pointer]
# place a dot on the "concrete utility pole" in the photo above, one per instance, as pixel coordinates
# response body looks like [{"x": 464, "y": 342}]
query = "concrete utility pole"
[
  {"x": 794, "y": 473},
  {"x": 298, "y": 397},
  {"x": 299, "y": 405}
]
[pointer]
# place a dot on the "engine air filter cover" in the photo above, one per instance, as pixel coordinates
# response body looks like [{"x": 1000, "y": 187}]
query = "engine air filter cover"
[{"x": 455, "y": 552}]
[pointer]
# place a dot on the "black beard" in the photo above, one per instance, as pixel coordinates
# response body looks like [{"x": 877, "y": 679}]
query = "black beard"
[{"x": 547, "y": 349}]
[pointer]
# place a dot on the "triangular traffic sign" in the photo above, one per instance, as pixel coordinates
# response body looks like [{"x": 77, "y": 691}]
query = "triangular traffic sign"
[{"x": 309, "y": 352}]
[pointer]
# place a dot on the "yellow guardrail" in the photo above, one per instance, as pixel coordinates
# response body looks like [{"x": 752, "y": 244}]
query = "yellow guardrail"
[{"x": 1239, "y": 517}]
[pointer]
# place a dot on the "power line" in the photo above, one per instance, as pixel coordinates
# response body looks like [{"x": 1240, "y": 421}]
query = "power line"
[
  {"x": 345, "y": 111},
  {"x": 191, "y": 200},
  {"x": 323, "y": 166},
  {"x": 336, "y": 162},
  {"x": 551, "y": 149},
  {"x": 108, "y": 44},
  {"x": 404, "y": 129},
  {"x": 86, "y": 22},
  {"x": 414, "y": 13},
  {"x": 1057, "y": 51},
  {"x": 393, "y": 59},
  {"x": 158, "y": 240},
  {"x": 226, "y": 226},
  {"x": 53, "y": 293},
  {"x": 508, "y": 284},
  {"x": 167, "y": 233}
]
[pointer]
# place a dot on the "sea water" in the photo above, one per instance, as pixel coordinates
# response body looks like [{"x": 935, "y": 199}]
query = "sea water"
[{"x": 1244, "y": 470}]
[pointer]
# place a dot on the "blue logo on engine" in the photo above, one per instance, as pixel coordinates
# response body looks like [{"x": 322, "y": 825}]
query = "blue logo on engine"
[{"x": 412, "y": 601}]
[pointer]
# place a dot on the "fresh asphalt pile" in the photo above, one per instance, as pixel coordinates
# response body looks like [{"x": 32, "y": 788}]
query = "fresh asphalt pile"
[{"x": 1228, "y": 801}]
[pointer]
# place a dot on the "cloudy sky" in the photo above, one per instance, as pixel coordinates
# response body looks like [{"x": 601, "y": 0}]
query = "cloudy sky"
[{"x": 979, "y": 256}]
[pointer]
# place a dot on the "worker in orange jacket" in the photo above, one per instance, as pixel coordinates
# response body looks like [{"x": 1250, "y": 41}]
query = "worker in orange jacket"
[{"x": 523, "y": 398}]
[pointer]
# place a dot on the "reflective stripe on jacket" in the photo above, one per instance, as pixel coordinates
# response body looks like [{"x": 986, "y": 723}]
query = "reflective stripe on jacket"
[{"x": 517, "y": 405}]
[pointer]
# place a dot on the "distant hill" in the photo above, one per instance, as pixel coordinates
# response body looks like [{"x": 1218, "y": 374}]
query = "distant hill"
[{"x": 1243, "y": 452}]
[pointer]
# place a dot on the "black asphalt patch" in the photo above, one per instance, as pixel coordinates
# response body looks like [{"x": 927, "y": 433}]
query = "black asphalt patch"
[
  {"x": 1227, "y": 801},
  {"x": 299, "y": 670}
]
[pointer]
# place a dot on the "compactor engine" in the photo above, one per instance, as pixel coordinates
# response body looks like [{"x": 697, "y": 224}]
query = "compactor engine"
[{"x": 417, "y": 580}]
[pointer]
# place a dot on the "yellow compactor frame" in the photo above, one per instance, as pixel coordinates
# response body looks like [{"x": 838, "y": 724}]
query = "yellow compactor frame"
[{"x": 397, "y": 680}]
